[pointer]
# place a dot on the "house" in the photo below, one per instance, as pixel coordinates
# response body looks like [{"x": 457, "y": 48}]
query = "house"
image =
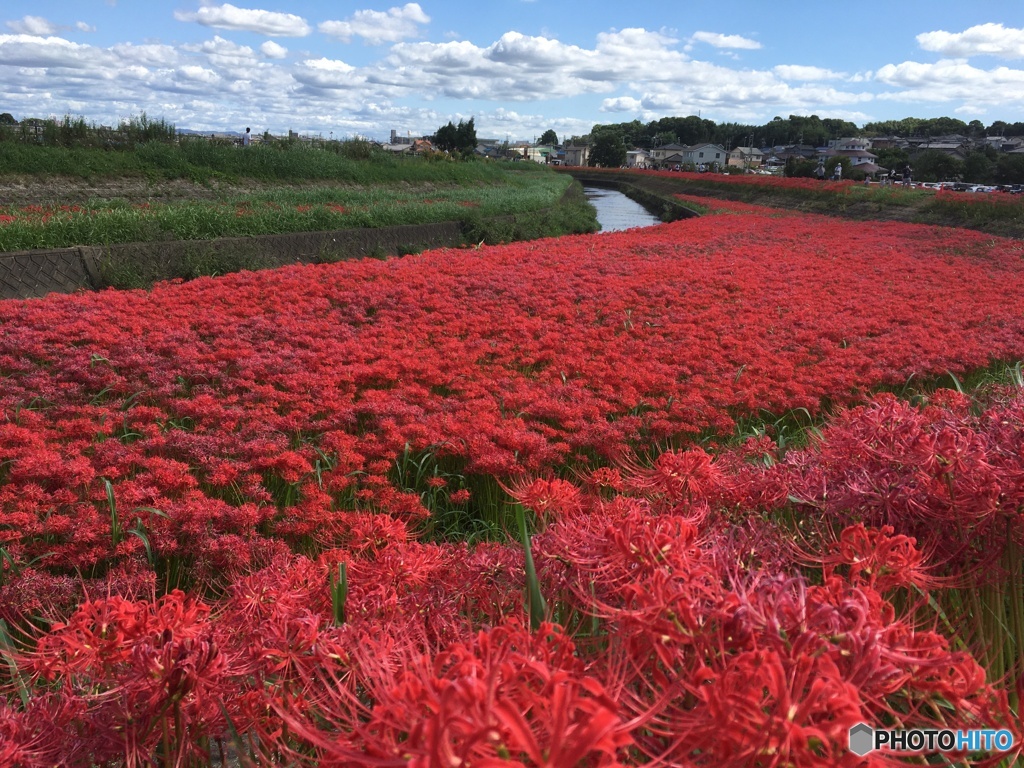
[
  {"x": 541, "y": 153},
  {"x": 1003, "y": 144},
  {"x": 850, "y": 145},
  {"x": 577, "y": 155},
  {"x": 668, "y": 155},
  {"x": 706, "y": 155},
  {"x": 954, "y": 148},
  {"x": 871, "y": 169},
  {"x": 745, "y": 157},
  {"x": 888, "y": 142},
  {"x": 857, "y": 157},
  {"x": 638, "y": 158},
  {"x": 798, "y": 151}
]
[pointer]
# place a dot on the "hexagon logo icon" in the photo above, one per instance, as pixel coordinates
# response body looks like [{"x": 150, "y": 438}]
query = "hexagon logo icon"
[{"x": 862, "y": 739}]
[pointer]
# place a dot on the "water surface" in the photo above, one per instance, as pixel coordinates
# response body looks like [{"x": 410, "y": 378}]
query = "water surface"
[{"x": 616, "y": 212}]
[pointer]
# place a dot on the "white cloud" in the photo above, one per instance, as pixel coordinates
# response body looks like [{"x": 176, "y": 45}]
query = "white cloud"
[
  {"x": 951, "y": 80},
  {"x": 517, "y": 50},
  {"x": 196, "y": 74},
  {"x": 419, "y": 85},
  {"x": 227, "y": 16},
  {"x": 33, "y": 25},
  {"x": 148, "y": 55},
  {"x": 377, "y": 27},
  {"x": 729, "y": 94},
  {"x": 40, "y": 52},
  {"x": 725, "y": 41},
  {"x": 223, "y": 53},
  {"x": 797, "y": 72},
  {"x": 272, "y": 50},
  {"x": 515, "y": 68},
  {"x": 328, "y": 75},
  {"x": 981, "y": 40},
  {"x": 622, "y": 104},
  {"x": 518, "y": 67}
]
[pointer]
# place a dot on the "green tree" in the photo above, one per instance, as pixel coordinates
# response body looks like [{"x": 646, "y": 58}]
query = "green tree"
[
  {"x": 943, "y": 126},
  {"x": 892, "y": 158},
  {"x": 446, "y": 138},
  {"x": 456, "y": 138},
  {"x": 1009, "y": 169},
  {"x": 932, "y": 165},
  {"x": 800, "y": 168},
  {"x": 978, "y": 168},
  {"x": 607, "y": 150},
  {"x": 7, "y": 119},
  {"x": 465, "y": 134},
  {"x": 549, "y": 138}
]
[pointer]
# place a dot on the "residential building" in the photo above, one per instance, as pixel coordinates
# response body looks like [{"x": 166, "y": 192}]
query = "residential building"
[
  {"x": 850, "y": 145},
  {"x": 857, "y": 157},
  {"x": 660, "y": 155},
  {"x": 706, "y": 155},
  {"x": 638, "y": 158},
  {"x": 745, "y": 157},
  {"x": 577, "y": 154},
  {"x": 955, "y": 149}
]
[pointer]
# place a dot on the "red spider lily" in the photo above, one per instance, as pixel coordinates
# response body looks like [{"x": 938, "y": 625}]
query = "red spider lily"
[
  {"x": 242, "y": 420},
  {"x": 505, "y": 695},
  {"x": 877, "y": 558},
  {"x": 138, "y": 671},
  {"x": 546, "y": 498},
  {"x": 682, "y": 480},
  {"x": 933, "y": 474}
]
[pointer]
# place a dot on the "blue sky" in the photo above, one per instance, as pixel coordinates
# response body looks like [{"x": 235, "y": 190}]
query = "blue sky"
[{"x": 364, "y": 68}]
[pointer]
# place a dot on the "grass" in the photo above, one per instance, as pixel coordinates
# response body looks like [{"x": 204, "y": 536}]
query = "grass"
[
  {"x": 202, "y": 161},
  {"x": 286, "y": 210}
]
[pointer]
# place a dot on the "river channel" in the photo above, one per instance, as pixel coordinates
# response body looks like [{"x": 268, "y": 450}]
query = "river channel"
[{"x": 616, "y": 212}]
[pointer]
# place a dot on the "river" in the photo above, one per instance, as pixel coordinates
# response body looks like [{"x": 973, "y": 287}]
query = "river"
[{"x": 616, "y": 212}]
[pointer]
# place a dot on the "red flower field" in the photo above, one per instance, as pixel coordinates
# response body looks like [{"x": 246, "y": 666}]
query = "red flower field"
[{"x": 262, "y": 515}]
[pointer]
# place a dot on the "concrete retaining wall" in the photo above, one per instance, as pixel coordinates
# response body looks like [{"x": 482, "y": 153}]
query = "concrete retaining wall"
[{"x": 32, "y": 274}]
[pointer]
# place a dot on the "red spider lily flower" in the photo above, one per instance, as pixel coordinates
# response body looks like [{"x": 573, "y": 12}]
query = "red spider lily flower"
[
  {"x": 504, "y": 694},
  {"x": 546, "y": 498},
  {"x": 878, "y": 559},
  {"x": 680, "y": 479}
]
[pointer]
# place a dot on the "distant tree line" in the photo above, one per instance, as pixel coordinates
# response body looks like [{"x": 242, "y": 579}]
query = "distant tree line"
[{"x": 797, "y": 129}]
